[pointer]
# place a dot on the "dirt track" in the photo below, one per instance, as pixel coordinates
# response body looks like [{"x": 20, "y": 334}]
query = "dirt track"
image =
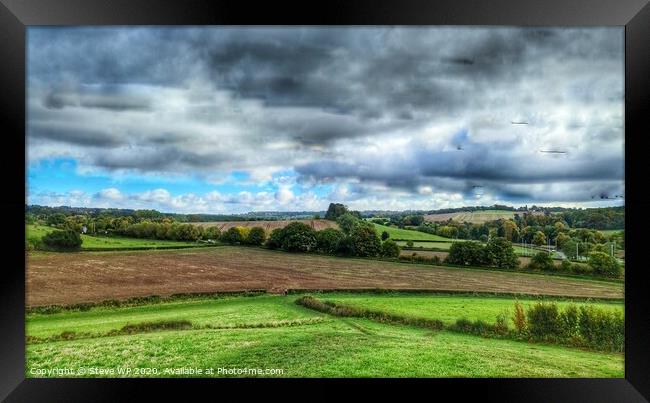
[{"x": 64, "y": 278}]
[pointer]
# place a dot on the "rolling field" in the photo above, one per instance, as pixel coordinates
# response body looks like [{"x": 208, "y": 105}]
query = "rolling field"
[
  {"x": 272, "y": 332},
  {"x": 477, "y": 217},
  {"x": 57, "y": 278},
  {"x": 267, "y": 225},
  {"x": 90, "y": 243},
  {"x": 406, "y": 234}
]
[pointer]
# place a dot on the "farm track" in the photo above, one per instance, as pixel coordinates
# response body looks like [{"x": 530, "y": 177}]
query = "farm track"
[{"x": 64, "y": 278}]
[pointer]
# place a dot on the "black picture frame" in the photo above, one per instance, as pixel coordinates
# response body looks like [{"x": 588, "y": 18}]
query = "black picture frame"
[{"x": 16, "y": 15}]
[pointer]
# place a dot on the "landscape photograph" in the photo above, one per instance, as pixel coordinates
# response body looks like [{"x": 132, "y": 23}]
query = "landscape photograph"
[{"x": 325, "y": 202}]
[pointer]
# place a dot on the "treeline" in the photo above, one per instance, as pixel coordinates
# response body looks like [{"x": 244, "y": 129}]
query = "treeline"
[{"x": 355, "y": 238}]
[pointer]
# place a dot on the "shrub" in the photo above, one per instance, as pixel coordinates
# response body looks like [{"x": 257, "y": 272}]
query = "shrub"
[
  {"x": 501, "y": 324},
  {"x": 390, "y": 249},
  {"x": 256, "y": 236},
  {"x": 465, "y": 253},
  {"x": 544, "y": 321},
  {"x": 385, "y": 235},
  {"x": 63, "y": 239},
  {"x": 212, "y": 233},
  {"x": 409, "y": 244},
  {"x": 601, "y": 329},
  {"x": 327, "y": 240},
  {"x": 345, "y": 247},
  {"x": 519, "y": 319},
  {"x": 604, "y": 265},
  {"x": 541, "y": 261},
  {"x": 231, "y": 236},
  {"x": 579, "y": 268},
  {"x": 565, "y": 266},
  {"x": 275, "y": 239},
  {"x": 569, "y": 323}
]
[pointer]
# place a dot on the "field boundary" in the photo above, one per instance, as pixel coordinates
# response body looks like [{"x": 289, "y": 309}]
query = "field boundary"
[{"x": 157, "y": 299}]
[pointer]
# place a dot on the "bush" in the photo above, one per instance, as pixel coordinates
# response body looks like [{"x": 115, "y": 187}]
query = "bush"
[
  {"x": 212, "y": 233},
  {"x": 327, "y": 240},
  {"x": 565, "y": 266},
  {"x": 256, "y": 236},
  {"x": 465, "y": 253},
  {"x": 541, "y": 261},
  {"x": 569, "y": 323},
  {"x": 579, "y": 268},
  {"x": 63, "y": 239},
  {"x": 604, "y": 265},
  {"x": 384, "y": 235},
  {"x": 544, "y": 322},
  {"x": 275, "y": 239},
  {"x": 390, "y": 249},
  {"x": 409, "y": 244},
  {"x": 519, "y": 319},
  {"x": 345, "y": 247},
  {"x": 231, "y": 236},
  {"x": 601, "y": 329}
]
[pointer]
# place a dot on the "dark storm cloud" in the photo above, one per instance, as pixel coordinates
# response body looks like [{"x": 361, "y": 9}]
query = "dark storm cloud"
[{"x": 325, "y": 101}]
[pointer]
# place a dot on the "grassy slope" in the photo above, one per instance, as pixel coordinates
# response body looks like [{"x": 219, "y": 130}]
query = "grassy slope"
[
  {"x": 329, "y": 347},
  {"x": 36, "y": 232},
  {"x": 396, "y": 233},
  {"x": 447, "y": 308}
]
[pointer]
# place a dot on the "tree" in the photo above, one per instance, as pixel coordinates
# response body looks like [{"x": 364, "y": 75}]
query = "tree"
[
  {"x": 365, "y": 239},
  {"x": 298, "y": 237},
  {"x": 335, "y": 210},
  {"x": 256, "y": 236},
  {"x": 539, "y": 238},
  {"x": 345, "y": 247},
  {"x": 212, "y": 233},
  {"x": 347, "y": 222},
  {"x": 390, "y": 248},
  {"x": 604, "y": 264},
  {"x": 561, "y": 239},
  {"x": 275, "y": 239},
  {"x": 327, "y": 240},
  {"x": 500, "y": 253},
  {"x": 55, "y": 219},
  {"x": 466, "y": 253},
  {"x": 385, "y": 235},
  {"x": 231, "y": 236},
  {"x": 63, "y": 239},
  {"x": 541, "y": 261},
  {"x": 510, "y": 231}
]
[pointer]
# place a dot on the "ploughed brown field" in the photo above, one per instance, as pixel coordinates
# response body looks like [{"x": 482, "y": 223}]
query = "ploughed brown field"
[
  {"x": 68, "y": 278},
  {"x": 267, "y": 225}
]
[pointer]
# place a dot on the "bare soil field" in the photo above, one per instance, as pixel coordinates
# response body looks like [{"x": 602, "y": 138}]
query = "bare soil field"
[
  {"x": 267, "y": 225},
  {"x": 69, "y": 278}
]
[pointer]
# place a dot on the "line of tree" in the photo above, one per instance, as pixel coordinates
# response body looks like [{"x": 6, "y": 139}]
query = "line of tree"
[{"x": 354, "y": 238}]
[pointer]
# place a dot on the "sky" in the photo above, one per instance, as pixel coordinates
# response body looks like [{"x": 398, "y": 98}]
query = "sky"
[{"x": 239, "y": 119}]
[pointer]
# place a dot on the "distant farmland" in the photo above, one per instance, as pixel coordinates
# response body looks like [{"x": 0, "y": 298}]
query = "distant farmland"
[
  {"x": 476, "y": 217},
  {"x": 267, "y": 225}
]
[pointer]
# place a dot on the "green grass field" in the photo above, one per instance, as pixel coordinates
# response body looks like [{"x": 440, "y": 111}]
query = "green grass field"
[
  {"x": 36, "y": 232},
  {"x": 405, "y": 234},
  {"x": 273, "y": 332}
]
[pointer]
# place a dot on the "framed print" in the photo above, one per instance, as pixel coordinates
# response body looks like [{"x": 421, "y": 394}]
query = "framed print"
[{"x": 364, "y": 193}]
